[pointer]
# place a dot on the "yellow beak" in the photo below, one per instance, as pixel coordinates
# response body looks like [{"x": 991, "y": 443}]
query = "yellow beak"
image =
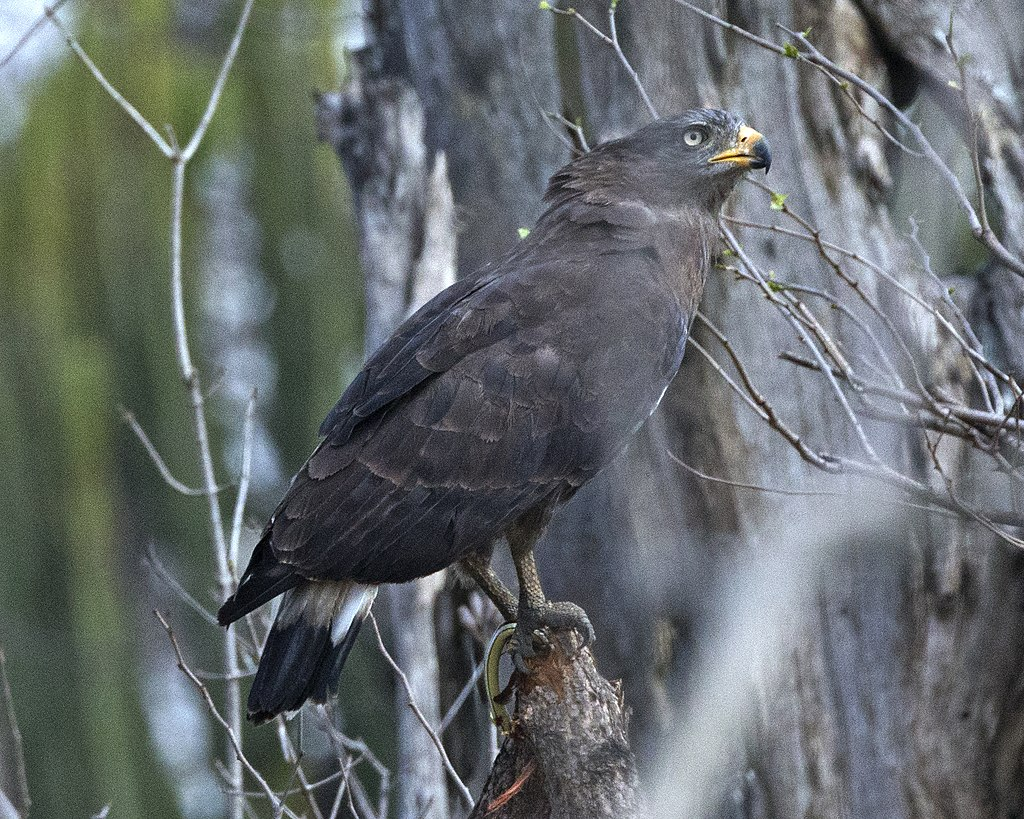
[{"x": 750, "y": 150}]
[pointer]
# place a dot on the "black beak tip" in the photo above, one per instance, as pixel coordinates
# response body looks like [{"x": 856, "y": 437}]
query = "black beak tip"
[{"x": 762, "y": 156}]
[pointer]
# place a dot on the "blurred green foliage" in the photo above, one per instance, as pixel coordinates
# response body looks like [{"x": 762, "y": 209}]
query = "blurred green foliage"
[{"x": 86, "y": 327}]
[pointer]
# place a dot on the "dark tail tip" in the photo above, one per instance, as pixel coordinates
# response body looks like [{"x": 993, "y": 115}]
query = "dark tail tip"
[
  {"x": 311, "y": 638},
  {"x": 264, "y": 579}
]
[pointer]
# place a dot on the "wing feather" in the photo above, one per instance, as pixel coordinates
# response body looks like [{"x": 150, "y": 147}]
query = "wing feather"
[{"x": 504, "y": 393}]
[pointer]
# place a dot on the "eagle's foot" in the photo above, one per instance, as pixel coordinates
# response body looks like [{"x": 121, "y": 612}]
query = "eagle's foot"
[{"x": 532, "y": 637}]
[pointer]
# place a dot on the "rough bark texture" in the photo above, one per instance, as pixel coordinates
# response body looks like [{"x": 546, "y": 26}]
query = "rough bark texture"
[
  {"x": 900, "y": 693},
  {"x": 406, "y": 217},
  {"x": 896, "y": 690},
  {"x": 571, "y": 725},
  {"x": 569, "y": 754}
]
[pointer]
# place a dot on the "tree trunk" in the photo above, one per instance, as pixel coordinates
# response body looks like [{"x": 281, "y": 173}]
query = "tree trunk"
[
  {"x": 892, "y": 684},
  {"x": 568, "y": 755},
  {"x": 407, "y": 240}
]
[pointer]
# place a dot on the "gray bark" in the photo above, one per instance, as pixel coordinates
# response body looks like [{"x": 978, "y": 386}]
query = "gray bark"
[
  {"x": 894, "y": 687},
  {"x": 900, "y": 695},
  {"x": 568, "y": 756},
  {"x": 406, "y": 217}
]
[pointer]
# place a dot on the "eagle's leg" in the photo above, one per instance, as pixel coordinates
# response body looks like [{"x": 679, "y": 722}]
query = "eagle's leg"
[
  {"x": 535, "y": 612},
  {"x": 478, "y": 567}
]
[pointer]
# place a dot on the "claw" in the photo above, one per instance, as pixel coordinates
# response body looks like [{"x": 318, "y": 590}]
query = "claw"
[{"x": 531, "y": 633}]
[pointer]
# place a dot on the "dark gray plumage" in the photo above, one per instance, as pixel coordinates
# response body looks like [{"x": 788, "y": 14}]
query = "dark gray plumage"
[{"x": 497, "y": 400}]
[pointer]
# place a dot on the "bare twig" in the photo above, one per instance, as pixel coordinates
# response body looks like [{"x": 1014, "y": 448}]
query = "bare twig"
[
  {"x": 467, "y": 797},
  {"x": 233, "y": 738},
  {"x": 763, "y": 407},
  {"x": 225, "y": 576},
  {"x": 460, "y": 700},
  {"x": 294, "y": 756},
  {"x": 218, "y": 86},
  {"x": 771, "y": 490},
  {"x": 582, "y": 144},
  {"x": 243, "y": 486},
  {"x": 23, "y": 40},
  {"x": 17, "y": 750},
  {"x": 344, "y": 746},
  {"x": 612, "y": 41},
  {"x": 986, "y": 380},
  {"x": 154, "y": 455},
  {"x": 175, "y": 585},
  {"x": 802, "y": 333},
  {"x": 973, "y": 124},
  {"x": 113, "y": 93}
]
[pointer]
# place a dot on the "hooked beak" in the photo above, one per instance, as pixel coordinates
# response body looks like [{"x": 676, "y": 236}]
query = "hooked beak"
[{"x": 749, "y": 151}]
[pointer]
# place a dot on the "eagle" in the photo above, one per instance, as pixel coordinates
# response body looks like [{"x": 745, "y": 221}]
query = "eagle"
[{"x": 495, "y": 402}]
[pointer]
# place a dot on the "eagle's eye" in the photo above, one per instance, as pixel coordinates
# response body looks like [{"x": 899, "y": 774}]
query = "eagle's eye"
[{"x": 694, "y": 136}]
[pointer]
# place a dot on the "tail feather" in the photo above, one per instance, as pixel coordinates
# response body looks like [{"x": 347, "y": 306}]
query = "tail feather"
[
  {"x": 264, "y": 579},
  {"x": 315, "y": 629}
]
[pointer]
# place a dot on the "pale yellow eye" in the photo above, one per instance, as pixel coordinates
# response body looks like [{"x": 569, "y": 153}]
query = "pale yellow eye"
[{"x": 693, "y": 137}]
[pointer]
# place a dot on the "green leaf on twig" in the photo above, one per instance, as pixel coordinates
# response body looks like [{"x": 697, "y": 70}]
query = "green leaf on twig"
[
  {"x": 779, "y": 200},
  {"x": 523, "y": 232},
  {"x": 790, "y": 51}
]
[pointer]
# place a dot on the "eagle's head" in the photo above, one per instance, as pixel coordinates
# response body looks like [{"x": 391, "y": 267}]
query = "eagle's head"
[
  {"x": 692, "y": 159},
  {"x": 696, "y": 157}
]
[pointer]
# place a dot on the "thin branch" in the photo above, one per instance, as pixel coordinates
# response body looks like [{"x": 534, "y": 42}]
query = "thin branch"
[
  {"x": 763, "y": 407},
  {"x": 18, "y": 750},
  {"x": 771, "y": 490},
  {"x": 225, "y": 574},
  {"x": 582, "y": 144},
  {"x": 986, "y": 380},
  {"x": 190, "y": 374},
  {"x": 161, "y": 571},
  {"x": 294, "y": 756},
  {"x": 460, "y": 700},
  {"x": 218, "y": 86},
  {"x": 973, "y": 124},
  {"x": 802, "y": 333},
  {"x": 233, "y": 738},
  {"x": 736, "y": 388},
  {"x": 113, "y": 93},
  {"x": 612, "y": 42},
  {"x": 344, "y": 745},
  {"x": 23, "y": 40},
  {"x": 467, "y": 797},
  {"x": 243, "y": 485},
  {"x": 633, "y": 75},
  {"x": 154, "y": 455}
]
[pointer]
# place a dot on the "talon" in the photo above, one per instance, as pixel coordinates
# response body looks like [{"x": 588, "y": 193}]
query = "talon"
[{"x": 532, "y": 637}]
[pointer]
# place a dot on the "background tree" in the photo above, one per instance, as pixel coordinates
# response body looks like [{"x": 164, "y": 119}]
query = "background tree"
[{"x": 783, "y": 654}]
